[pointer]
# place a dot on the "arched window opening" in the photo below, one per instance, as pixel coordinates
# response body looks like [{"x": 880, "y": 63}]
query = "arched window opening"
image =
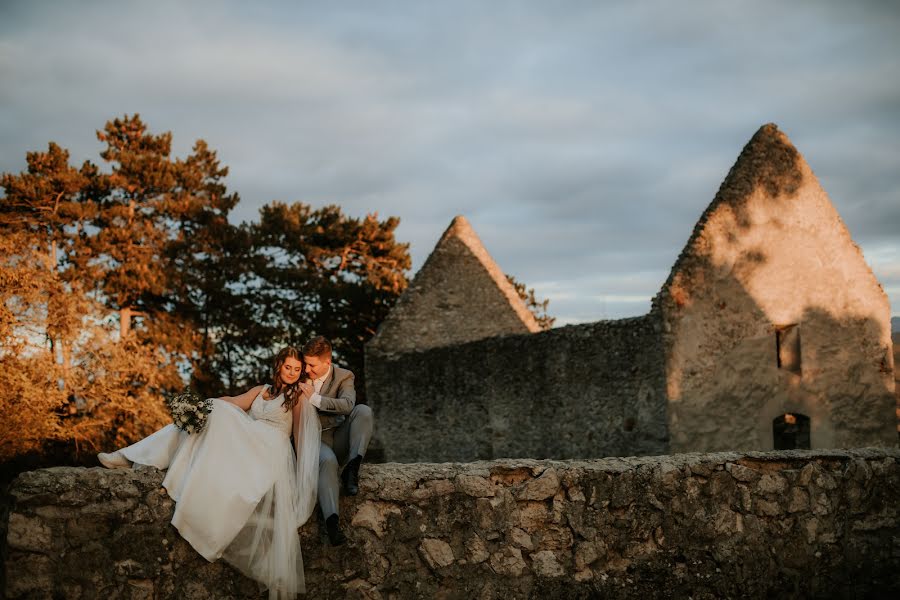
[{"x": 791, "y": 431}]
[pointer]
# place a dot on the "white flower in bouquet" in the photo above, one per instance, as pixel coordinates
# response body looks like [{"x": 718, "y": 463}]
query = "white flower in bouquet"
[{"x": 189, "y": 411}]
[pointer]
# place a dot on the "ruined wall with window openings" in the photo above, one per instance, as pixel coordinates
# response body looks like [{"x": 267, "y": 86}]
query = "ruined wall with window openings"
[{"x": 771, "y": 330}]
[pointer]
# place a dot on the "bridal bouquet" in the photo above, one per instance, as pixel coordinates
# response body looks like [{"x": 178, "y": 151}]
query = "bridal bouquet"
[{"x": 189, "y": 411}]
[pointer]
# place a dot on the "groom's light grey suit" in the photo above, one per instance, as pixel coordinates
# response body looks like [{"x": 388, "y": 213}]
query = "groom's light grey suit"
[{"x": 346, "y": 431}]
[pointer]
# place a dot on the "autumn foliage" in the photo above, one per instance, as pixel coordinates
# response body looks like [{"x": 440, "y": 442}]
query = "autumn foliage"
[{"x": 119, "y": 282}]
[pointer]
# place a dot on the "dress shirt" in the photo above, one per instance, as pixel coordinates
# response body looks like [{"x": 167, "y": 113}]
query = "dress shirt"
[{"x": 316, "y": 398}]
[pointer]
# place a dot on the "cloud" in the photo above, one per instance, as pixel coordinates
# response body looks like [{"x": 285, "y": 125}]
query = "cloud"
[{"x": 583, "y": 141}]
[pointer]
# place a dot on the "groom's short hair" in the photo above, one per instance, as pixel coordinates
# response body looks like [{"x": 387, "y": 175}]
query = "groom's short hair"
[{"x": 318, "y": 346}]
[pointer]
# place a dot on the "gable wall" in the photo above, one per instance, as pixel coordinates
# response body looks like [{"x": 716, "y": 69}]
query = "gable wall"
[
  {"x": 895, "y": 338},
  {"x": 453, "y": 299},
  {"x": 701, "y": 368},
  {"x": 776, "y": 253}
]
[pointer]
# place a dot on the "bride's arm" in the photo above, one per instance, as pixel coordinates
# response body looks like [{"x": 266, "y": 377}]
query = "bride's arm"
[{"x": 246, "y": 399}]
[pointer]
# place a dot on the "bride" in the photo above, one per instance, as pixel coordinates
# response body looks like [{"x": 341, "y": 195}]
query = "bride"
[{"x": 240, "y": 493}]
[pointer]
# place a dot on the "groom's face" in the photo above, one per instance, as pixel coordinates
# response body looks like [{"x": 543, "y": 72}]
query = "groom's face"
[{"x": 317, "y": 366}]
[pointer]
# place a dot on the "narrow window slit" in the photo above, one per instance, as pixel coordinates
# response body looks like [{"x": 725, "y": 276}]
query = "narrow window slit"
[{"x": 787, "y": 348}]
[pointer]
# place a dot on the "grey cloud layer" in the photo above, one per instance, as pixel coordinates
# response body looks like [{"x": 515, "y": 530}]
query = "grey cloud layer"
[{"x": 582, "y": 140}]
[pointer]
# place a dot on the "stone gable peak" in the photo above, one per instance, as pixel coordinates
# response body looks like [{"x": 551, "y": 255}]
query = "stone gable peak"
[
  {"x": 461, "y": 230},
  {"x": 769, "y": 195},
  {"x": 459, "y": 295}
]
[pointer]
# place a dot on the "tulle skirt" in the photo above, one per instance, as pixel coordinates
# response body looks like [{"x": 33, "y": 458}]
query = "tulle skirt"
[{"x": 235, "y": 490}]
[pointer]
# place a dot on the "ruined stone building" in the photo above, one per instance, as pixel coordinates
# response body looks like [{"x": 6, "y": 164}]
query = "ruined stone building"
[
  {"x": 895, "y": 338},
  {"x": 771, "y": 331}
]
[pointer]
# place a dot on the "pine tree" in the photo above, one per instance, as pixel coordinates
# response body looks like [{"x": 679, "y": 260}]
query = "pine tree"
[
  {"x": 204, "y": 259},
  {"x": 132, "y": 221},
  {"x": 320, "y": 272},
  {"x": 114, "y": 285}
]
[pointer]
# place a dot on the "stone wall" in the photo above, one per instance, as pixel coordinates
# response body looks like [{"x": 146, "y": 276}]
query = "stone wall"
[
  {"x": 799, "y": 524},
  {"x": 459, "y": 295},
  {"x": 771, "y": 257},
  {"x": 895, "y": 339},
  {"x": 582, "y": 391}
]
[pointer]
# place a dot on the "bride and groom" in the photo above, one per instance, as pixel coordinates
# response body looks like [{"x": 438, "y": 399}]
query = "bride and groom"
[{"x": 240, "y": 489}]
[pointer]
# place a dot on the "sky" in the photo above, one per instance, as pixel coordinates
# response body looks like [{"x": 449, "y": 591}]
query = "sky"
[{"x": 581, "y": 139}]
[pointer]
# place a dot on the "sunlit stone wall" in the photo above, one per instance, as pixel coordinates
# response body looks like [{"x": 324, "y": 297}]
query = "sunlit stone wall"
[
  {"x": 895, "y": 338},
  {"x": 770, "y": 310},
  {"x": 581, "y": 391},
  {"x": 730, "y": 525},
  {"x": 771, "y": 253}
]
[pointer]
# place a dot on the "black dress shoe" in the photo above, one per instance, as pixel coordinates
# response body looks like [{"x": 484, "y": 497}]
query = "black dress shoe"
[
  {"x": 336, "y": 537},
  {"x": 350, "y": 476}
]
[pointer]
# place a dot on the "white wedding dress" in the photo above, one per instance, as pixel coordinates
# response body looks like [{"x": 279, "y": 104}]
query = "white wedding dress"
[{"x": 239, "y": 490}]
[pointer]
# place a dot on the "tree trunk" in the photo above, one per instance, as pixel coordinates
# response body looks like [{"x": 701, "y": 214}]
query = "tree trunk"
[
  {"x": 67, "y": 359},
  {"x": 124, "y": 323}
]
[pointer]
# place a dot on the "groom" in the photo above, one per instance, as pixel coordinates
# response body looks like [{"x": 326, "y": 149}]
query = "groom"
[{"x": 346, "y": 430}]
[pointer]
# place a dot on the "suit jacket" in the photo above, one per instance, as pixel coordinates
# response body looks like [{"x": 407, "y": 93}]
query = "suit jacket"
[{"x": 338, "y": 397}]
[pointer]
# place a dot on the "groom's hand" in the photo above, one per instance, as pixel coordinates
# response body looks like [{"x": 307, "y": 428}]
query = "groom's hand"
[
  {"x": 309, "y": 391},
  {"x": 306, "y": 388}
]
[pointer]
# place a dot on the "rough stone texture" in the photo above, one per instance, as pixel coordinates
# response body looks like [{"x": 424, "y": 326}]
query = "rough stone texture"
[
  {"x": 582, "y": 391},
  {"x": 730, "y": 525},
  {"x": 459, "y": 295},
  {"x": 895, "y": 338},
  {"x": 772, "y": 251}
]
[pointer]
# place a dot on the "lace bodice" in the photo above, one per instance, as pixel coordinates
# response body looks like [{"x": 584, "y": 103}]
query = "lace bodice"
[{"x": 272, "y": 412}]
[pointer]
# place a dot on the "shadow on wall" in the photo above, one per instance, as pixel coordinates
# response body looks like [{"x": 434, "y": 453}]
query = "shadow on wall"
[
  {"x": 771, "y": 310},
  {"x": 735, "y": 388},
  {"x": 581, "y": 391},
  {"x": 895, "y": 338}
]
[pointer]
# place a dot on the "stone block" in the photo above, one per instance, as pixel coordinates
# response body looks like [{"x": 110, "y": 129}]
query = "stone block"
[
  {"x": 545, "y": 564},
  {"x": 478, "y": 487},
  {"x": 476, "y": 549},
  {"x": 437, "y": 553},
  {"x": 771, "y": 483},
  {"x": 742, "y": 473},
  {"x": 799, "y": 500},
  {"x": 585, "y": 555},
  {"x": 520, "y": 538},
  {"x": 373, "y": 516},
  {"x": 29, "y": 533},
  {"x": 508, "y": 561}
]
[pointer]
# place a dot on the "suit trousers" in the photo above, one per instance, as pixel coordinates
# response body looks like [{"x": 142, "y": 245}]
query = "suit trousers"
[{"x": 339, "y": 446}]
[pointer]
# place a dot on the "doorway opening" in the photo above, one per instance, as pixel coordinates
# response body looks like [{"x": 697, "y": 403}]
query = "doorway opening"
[{"x": 791, "y": 431}]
